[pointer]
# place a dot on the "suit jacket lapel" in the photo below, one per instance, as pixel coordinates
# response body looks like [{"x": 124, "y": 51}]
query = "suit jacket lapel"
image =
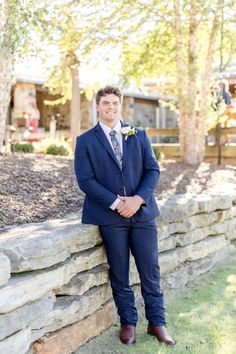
[
  {"x": 103, "y": 139},
  {"x": 125, "y": 147}
]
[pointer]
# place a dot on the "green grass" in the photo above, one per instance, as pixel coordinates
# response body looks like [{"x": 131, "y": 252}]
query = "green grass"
[{"x": 201, "y": 317}]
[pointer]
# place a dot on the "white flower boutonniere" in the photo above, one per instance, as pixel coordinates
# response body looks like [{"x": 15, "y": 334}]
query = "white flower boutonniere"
[{"x": 128, "y": 131}]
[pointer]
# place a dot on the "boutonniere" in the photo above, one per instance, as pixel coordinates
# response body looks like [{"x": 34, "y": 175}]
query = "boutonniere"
[{"x": 128, "y": 131}]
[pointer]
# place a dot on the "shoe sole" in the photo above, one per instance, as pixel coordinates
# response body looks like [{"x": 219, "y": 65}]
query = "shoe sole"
[
  {"x": 128, "y": 343},
  {"x": 152, "y": 334}
]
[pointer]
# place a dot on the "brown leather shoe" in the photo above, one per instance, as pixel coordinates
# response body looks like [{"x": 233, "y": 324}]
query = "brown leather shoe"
[
  {"x": 127, "y": 334},
  {"x": 160, "y": 333}
]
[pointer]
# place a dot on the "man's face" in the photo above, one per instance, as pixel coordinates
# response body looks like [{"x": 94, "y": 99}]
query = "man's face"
[{"x": 109, "y": 109}]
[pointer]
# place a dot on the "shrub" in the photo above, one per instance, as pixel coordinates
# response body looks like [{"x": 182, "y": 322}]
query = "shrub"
[
  {"x": 170, "y": 139},
  {"x": 23, "y": 147},
  {"x": 54, "y": 146},
  {"x": 54, "y": 149},
  {"x": 158, "y": 153}
]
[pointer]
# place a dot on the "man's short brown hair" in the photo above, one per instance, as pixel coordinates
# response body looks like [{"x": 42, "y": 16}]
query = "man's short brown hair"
[{"x": 108, "y": 90}]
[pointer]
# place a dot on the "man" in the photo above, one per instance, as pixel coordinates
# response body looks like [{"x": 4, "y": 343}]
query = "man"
[{"x": 117, "y": 170}]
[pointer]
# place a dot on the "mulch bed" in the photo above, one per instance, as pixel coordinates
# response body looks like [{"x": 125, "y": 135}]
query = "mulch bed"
[{"x": 35, "y": 188}]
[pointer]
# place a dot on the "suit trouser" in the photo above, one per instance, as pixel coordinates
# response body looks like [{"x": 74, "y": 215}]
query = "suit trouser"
[{"x": 141, "y": 239}]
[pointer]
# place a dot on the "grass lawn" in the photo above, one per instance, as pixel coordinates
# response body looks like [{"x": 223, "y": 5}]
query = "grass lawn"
[{"x": 201, "y": 317}]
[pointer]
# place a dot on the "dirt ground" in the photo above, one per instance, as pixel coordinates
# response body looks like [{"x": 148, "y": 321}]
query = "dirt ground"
[{"x": 34, "y": 188}]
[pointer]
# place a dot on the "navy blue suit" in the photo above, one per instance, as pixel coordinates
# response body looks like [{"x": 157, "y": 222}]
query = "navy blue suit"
[{"x": 101, "y": 179}]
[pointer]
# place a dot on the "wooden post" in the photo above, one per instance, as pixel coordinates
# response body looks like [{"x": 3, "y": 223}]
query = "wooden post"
[
  {"x": 75, "y": 105},
  {"x": 52, "y": 127},
  {"x": 218, "y": 142}
]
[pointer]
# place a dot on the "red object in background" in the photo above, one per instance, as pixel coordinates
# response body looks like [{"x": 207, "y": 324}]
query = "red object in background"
[
  {"x": 34, "y": 123},
  {"x": 21, "y": 122},
  {"x": 32, "y": 140}
]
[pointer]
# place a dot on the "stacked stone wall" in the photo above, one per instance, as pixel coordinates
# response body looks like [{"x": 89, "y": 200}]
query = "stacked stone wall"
[{"x": 54, "y": 287}]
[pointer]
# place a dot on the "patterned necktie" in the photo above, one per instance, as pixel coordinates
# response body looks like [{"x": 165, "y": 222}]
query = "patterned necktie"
[{"x": 116, "y": 146}]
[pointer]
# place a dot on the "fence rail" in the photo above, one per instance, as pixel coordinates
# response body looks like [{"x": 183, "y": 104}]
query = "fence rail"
[
  {"x": 152, "y": 132},
  {"x": 175, "y": 131},
  {"x": 213, "y": 151}
]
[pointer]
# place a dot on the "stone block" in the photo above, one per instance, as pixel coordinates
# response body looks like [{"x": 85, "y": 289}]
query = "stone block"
[
  {"x": 194, "y": 221},
  {"x": 189, "y": 271},
  {"x": 231, "y": 235},
  {"x": 172, "y": 259},
  {"x": 71, "y": 309},
  {"x": 192, "y": 236},
  {"x": 202, "y": 248},
  {"x": 134, "y": 276},
  {"x": 26, "y": 287},
  {"x": 41, "y": 245},
  {"x": 223, "y": 227},
  {"x": 208, "y": 203},
  {"x": 5, "y": 269},
  {"x": 82, "y": 282},
  {"x": 166, "y": 244},
  {"x": 177, "y": 208},
  {"x": 15, "y": 320},
  {"x": 169, "y": 229},
  {"x": 201, "y": 220},
  {"x": 70, "y": 338},
  {"x": 17, "y": 343}
]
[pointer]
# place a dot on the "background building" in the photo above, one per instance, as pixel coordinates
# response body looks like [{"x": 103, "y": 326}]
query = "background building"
[{"x": 28, "y": 96}]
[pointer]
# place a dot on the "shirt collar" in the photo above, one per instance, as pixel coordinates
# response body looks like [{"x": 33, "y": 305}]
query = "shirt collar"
[{"x": 107, "y": 129}]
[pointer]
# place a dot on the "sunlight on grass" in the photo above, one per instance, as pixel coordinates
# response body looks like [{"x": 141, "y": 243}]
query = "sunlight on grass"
[
  {"x": 202, "y": 319},
  {"x": 186, "y": 314},
  {"x": 230, "y": 290},
  {"x": 232, "y": 279}
]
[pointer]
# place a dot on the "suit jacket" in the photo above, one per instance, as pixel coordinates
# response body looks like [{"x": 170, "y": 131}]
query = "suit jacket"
[{"x": 101, "y": 179}]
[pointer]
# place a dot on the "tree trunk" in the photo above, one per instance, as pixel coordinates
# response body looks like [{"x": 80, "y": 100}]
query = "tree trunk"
[
  {"x": 186, "y": 72},
  {"x": 191, "y": 153},
  {"x": 75, "y": 105},
  {"x": 205, "y": 85},
  {"x": 6, "y": 71},
  {"x": 192, "y": 123}
]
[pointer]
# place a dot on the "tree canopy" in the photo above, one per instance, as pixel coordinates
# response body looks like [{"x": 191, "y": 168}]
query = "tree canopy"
[{"x": 179, "y": 43}]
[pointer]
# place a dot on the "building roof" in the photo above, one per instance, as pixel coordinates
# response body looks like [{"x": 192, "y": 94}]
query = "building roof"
[{"x": 150, "y": 96}]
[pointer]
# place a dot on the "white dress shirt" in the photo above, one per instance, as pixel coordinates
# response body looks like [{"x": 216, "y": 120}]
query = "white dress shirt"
[
  {"x": 117, "y": 129},
  {"x": 107, "y": 131}
]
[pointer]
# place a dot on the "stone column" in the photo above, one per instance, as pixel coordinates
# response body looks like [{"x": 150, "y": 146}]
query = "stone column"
[
  {"x": 25, "y": 103},
  {"x": 75, "y": 105}
]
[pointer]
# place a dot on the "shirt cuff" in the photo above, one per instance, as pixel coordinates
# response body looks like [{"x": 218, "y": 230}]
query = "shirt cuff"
[
  {"x": 143, "y": 201},
  {"x": 114, "y": 205}
]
